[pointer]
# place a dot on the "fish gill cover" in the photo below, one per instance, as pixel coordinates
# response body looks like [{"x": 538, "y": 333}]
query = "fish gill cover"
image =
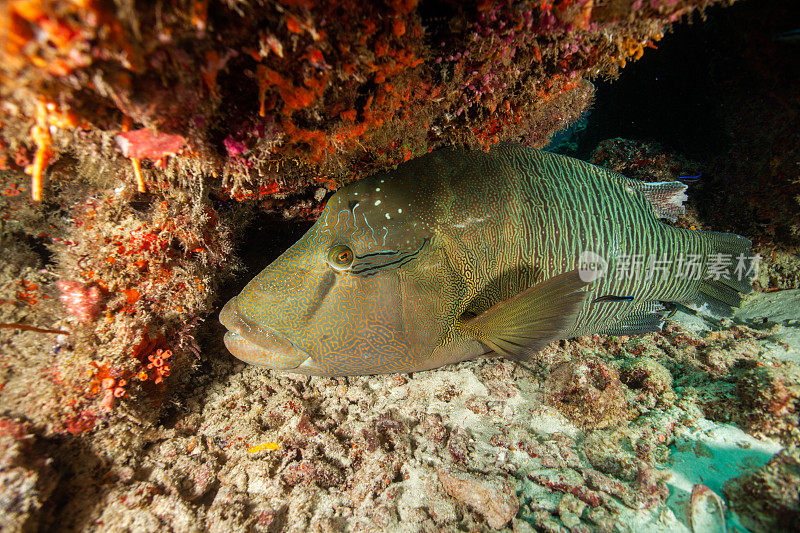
[{"x": 142, "y": 143}]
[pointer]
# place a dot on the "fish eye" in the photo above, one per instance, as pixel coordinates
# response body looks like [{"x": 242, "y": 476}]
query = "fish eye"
[{"x": 340, "y": 257}]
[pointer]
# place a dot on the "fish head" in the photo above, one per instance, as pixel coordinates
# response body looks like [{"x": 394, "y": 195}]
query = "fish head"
[{"x": 336, "y": 302}]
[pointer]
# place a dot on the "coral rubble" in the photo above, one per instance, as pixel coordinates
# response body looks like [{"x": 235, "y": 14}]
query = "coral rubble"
[{"x": 769, "y": 498}]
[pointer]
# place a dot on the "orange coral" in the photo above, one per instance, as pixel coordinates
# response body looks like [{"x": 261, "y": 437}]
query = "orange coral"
[
  {"x": 112, "y": 389},
  {"x": 103, "y": 381},
  {"x": 293, "y": 96},
  {"x": 57, "y": 37},
  {"x": 293, "y": 25},
  {"x": 159, "y": 364},
  {"x": 135, "y": 164},
  {"x": 48, "y": 115},
  {"x": 40, "y": 133}
]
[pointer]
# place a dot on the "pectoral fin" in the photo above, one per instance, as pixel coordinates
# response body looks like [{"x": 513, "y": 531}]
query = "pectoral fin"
[{"x": 527, "y": 322}]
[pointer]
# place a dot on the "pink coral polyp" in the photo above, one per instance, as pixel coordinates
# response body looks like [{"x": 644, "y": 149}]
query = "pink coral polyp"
[{"x": 81, "y": 301}]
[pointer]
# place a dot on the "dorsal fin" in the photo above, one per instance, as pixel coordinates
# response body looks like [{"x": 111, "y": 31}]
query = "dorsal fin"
[{"x": 666, "y": 197}]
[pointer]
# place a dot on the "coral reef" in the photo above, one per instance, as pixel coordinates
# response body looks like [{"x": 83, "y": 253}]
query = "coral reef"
[
  {"x": 138, "y": 282},
  {"x": 143, "y": 147},
  {"x": 473, "y": 446},
  {"x": 255, "y": 93}
]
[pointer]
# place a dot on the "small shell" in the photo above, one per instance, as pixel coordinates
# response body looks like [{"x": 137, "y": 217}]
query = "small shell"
[{"x": 705, "y": 511}]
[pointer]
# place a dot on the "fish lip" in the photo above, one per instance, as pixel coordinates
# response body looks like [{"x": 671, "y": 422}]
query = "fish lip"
[
  {"x": 232, "y": 318},
  {"x": 243, "y": 331},
  {"x": 229, "y": 314}
]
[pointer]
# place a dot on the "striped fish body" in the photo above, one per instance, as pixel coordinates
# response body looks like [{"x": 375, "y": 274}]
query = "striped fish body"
[{"x": 458, "y": 253}]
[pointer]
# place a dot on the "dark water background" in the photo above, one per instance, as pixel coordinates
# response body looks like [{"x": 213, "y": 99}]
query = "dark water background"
[{"x": 679, "y": 94}]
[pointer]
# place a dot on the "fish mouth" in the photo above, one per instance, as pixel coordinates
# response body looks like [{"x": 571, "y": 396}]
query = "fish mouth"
[{"x": 257, "y": 344}]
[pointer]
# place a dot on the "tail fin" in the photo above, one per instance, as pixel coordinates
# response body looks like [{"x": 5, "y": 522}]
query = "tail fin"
[{"x": 729, "y": 269}]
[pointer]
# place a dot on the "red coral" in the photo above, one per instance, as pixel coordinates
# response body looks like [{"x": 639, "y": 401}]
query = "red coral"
[
  {"x": 81, "y": 423},
  {"x": 147, "y": 144},
  {"x": 562, "y": 484},
  {"x": 13, "y": 429}
]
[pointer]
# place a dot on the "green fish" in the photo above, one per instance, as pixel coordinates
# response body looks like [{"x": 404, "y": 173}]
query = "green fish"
[{"x": 458, "y": 253}]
